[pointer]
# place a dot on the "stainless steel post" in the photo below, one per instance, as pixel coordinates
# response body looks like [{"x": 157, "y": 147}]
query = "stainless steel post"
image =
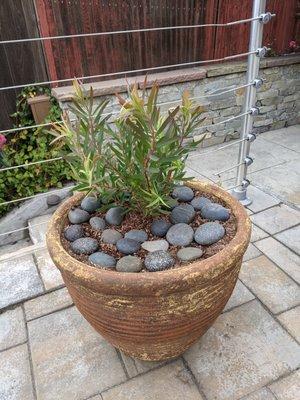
[{"x": 240, "y": 192}]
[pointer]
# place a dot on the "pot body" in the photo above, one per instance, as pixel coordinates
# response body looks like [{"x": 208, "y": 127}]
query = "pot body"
[{"x": 153, "y": 316}]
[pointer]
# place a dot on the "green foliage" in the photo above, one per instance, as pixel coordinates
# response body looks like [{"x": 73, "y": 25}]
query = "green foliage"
[{"x": 27, "y": 146}]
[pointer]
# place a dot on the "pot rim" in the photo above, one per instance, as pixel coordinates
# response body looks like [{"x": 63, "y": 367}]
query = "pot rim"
[{"x": 136, "y": 283}]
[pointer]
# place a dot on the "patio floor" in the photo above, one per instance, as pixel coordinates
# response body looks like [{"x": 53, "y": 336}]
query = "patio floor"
[{"x": 49, "y": 352}]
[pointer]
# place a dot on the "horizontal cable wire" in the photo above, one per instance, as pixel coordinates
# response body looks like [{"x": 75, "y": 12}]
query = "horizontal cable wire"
[
  {"x": 129, "y": 71},
  {"x": 31, "y": 163},
  {"x": 163, "y": 28},
  {"x": 22, "y": 229},
  {"x": 228, "y": 169},
  {"x": 217, "y": 149}
]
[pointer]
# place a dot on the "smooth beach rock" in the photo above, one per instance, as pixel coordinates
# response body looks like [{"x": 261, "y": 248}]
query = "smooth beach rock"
[
  {"x": 78, "y": 216},
  {"x": 160, "y": 227},
  {"x": 111, "y": 236},
  {"x": 184, "y": 213},
  {"x": 114, "y": 216},
  {"x": 180, "y": 235},
  {"x": 137, "y": 234},
  {"x": 102, "y": 259},
  {"x": 90, "y": 204},
  {"x": 199, "y": 202},
  {"x": 214, "y": 211},
  {"x": 209, "y": 233},
  {"x": 73, "y": 232},
  {"x": 53, "y": 199},
  {"x": 158, "y": 261},
  {"x": 129, "y": 264},
  {"x": 183, "y": 193},
  {"x": 128, "y": 246},
  {"x": 84, "y": 245},
  {"x": 189, "y": 253},
  {"x": 155, "y": 245},
  {"x": 97, "y": 223}
]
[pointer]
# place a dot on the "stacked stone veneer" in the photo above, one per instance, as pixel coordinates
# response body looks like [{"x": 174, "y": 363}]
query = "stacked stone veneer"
[{"x": 278, "y": 99}]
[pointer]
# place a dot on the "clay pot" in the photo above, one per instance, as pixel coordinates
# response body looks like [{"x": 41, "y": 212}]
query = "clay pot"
[{"x": 158, "y": 315}]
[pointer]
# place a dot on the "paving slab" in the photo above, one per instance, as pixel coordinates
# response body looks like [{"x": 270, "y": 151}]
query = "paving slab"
[
  {"x": 172, "y": 381},
  {"x": 38, "y": 228},
  {"x": 50, "y": 275},
  {"x": 260, "y": 199},
  {"x": 70, "y": 359},
  {"x": 257, "y": 234},
  {"x": 262, "y": 394},
  {"x": 251, "y": 252},
  {"x": 272, "y": 286},
  {"x": 19, "y": 280},
  {"x": 287, "y": 137},
  {"x": 287, "y": 388},
  {"x": 240, "y": 295},
  {"x": 15, "y": 377},
  {"x": 135, "y": 367},
  {"x": 47, "y": 303},
  {"x": 12, "y": 328},
  {"x": 276, "y": 219},
  {"x": 287, "y": 260},
  {"x": 291, "y": 321},
  {"x": 10, "y": 248},
  {"x": 243, "y": 351},
  {"x": 291, "y": 238}
]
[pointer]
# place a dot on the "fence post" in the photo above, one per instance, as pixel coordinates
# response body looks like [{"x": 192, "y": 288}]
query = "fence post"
[{"x": 255, "y": 44}]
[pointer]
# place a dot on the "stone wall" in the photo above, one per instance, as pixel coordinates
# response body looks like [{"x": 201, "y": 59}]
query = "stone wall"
[{"x": 278, "y": 99}]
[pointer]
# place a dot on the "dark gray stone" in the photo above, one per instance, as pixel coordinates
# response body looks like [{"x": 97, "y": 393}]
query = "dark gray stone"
[
  {"x": 111, "y": 236},
  {"x": 209, "y": 233},
  {"x": 78, "y": 216},
  {"x": 90, "y": 204},
  {"x": 74, "y": 232},
  {"x": 53, "y": 200},
  {"x": 214, "y": 212},
  {"x": 158, "y": 261},
  {"x": 160, "y": 227},
  {"x": 183, "y": 193},
  {"x": 102, "y": 259},
  {"x": 85, "y": 245},
  {"x": 184, "y": 213},
  {"x": 199, "y": 202},
  {"x": 137, "y": 234},
  {"x": 129, "y": 264},
  {"x": 155, "y": 245},
  {"x": 97, "y": 223},
  {"x": 180, "y": 235},
  {"x": 189, "y": 253},
  {"x": 128, "y": 246},
  {"x": 115, "y": 216}
]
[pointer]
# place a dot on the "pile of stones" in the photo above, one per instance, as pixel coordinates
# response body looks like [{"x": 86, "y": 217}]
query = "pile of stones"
[{"x": 175, "y": 232}]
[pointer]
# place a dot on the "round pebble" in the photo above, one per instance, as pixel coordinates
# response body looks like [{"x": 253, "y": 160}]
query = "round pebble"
[
  {"x": 84, "y": 245},
  {"x": 155, "y": 245},
  {"x": 189, "y": 253},
  {"x": 137, "y": 234},
  {"x": 160, "y": 227},
  {"x": 73, "y": 232},
  {"x": 129, "y": 264},
  {"x": 158, "y": 261},
  {"x": 115, "y": 216},
  {"x": 209, "y": 233},
  {"x": 102, "y": 259},
  {"x": 180, "y": 235},
  {"x": 90, "y": 204},
  {"x": 111, "y": 236},
  {"x": 183, "y": 193},
  {"x": 128, "y": 246},
  {"x": 184, "y": 213},
  {"x": 214, "y": 212},
  {"x": 53, "y": 200},
  {"x": 97, "y": 223},
  {"x": 199, "y": 202},
  {"x": 78, "y": 216}
]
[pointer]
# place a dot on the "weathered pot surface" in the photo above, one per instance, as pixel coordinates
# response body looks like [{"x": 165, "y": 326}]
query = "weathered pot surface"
[{"x": 158, "y": 315}]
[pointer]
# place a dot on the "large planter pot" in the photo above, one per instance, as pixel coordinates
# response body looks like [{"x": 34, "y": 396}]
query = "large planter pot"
[{"x": 158, "y": 315}]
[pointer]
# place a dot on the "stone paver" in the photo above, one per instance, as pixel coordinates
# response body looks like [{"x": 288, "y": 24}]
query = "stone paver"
[
  {"x": 251, "y": 252},
  {"x": 288, "y": 137},
  {"x": 135, "y": 367},
  {"x": 272, "y": 286},
  {"x": 15, "y": 378},
  {"x": 240, "y": 295},
  {"x": 46, "y": 304},
  {"x": 38, "y": 228},
  {"x": 243, "y": 351},
  {"x": 10, "y": 248},
  {"x": 291, "y": 238},
  {"x": 257, "y": 233},
  {"x": 291, "y": 321},
  {"x": 276, "y": 219},
  {"x": 262, "y": 394},
  {"x": 172, "y": 381},
  {"x": 282, "y": 256},
  {"x": 19, "y": 280},
  {"x": 287, "y": 388},
  {"x": 70, "y": 359},
  {"x": 50, "y": 275},
  {"x": 260, "y": 199},
  {"x": 12, "y": 328}
]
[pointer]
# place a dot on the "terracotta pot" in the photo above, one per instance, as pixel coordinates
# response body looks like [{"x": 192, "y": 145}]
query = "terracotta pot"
[{"x": 158, "y": 315}]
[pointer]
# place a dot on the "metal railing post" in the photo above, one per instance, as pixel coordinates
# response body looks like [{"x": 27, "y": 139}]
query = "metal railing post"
[{"x": 255, "y": 44}]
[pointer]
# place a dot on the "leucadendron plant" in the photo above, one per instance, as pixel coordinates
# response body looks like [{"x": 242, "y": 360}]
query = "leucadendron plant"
[{"x": 138, "y": 157}]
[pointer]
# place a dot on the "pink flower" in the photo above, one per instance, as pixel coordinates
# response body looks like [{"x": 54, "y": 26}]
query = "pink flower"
[
  {"x": 292, "y": 44},
  {"x": 2, "y": 141}
]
